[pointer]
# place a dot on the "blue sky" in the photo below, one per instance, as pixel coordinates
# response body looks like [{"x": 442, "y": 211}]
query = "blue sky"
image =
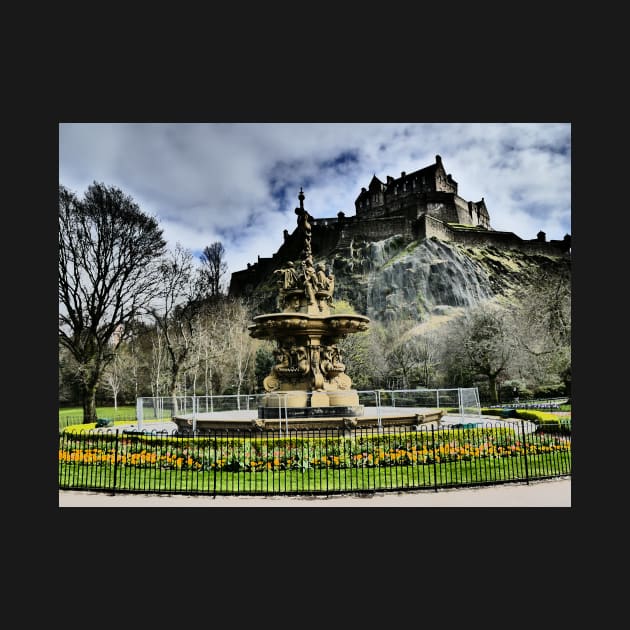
[{"x": 238, "y": 182}]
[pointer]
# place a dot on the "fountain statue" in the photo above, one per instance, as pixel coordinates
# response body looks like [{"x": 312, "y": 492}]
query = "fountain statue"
[{"x": 308, "y": 378}]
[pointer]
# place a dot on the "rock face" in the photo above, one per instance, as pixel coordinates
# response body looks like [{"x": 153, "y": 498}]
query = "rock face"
[
  {"x": 395, "y": 279},
  {"x": 413, "y": 281}
]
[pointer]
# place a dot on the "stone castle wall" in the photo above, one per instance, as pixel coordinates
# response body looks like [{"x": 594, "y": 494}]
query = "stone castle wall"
[
  {"x": 430, "y": 227},
  {"x": 337, "y": 234},
  {"x": 379, "y": 229}
]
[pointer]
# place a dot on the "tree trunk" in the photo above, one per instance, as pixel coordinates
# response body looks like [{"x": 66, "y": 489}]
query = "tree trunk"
[
  {"x": 492, "y": 386},
  {"x": 566, "y": 379},
  {"x": 173, "y": 387},
  {"x": 89, "y": 403}
]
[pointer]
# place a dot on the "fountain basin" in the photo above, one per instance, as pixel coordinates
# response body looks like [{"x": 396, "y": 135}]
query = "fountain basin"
[{"x": 275, "y": 325}]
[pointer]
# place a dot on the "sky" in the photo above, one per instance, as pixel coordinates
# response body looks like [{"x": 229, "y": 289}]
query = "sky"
[{"x": 238, "y": 183}]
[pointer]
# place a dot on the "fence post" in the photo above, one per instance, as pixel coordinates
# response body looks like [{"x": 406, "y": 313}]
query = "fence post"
[
  {"x": 525, "y": 451},
  {"x": 115, "y": 461},
  {"x": 214, "y": 450},
  {"x": 434, "y": 460},
  {"x": 139, "y": 412}
]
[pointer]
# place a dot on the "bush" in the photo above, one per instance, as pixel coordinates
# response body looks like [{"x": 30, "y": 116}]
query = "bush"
[
  {"x": 543, "y": 419},
  {"x": 88, "y": 426},
  {"x": 555, "y": 390}
]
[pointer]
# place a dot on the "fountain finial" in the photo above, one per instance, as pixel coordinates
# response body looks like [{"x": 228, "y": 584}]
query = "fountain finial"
[{"x": 305, "y": 222}]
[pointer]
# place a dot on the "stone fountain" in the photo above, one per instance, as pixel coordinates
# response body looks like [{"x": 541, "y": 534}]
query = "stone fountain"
[
  {"x": 308, "y": 386},
  {"x": 308, "y": 379}
]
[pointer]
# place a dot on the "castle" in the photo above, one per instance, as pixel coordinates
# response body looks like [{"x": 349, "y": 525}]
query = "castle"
[{"x": 417, "y": 205}]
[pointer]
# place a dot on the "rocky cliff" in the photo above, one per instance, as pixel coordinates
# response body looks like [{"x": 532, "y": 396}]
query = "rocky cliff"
[{"x": 421, "y": 280}]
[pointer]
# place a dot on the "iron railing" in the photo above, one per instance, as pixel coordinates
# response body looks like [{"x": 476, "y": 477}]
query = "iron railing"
[{"x": 326, "y": 461}]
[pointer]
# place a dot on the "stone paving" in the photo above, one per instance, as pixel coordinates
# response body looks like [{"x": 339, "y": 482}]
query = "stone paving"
[{"x": 545, "y": 493}]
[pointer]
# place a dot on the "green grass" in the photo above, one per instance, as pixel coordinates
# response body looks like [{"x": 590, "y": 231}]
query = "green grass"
[
  {"x": 122, "y": 413},
  {"x": 74, "y": 415}
]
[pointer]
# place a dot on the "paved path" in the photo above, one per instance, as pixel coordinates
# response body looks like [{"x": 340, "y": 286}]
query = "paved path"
[{"x": 548, "y": 493}]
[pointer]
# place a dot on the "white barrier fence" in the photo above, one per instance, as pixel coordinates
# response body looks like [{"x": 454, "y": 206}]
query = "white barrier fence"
[{"x": 459, "y": 401}]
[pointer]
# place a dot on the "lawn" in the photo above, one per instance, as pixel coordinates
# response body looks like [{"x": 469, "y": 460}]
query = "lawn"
[{"x": 74, "y": 415}]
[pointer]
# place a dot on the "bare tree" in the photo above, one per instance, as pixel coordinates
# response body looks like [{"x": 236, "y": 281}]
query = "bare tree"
[
  {"x": 176, "y": 312},
  {"x": 376, "y": 341},
  {"x": 107, "y": 275},
  {"x": 397, "y": 351},
  {"x": 242, "y": 346},
  {"x": 211, "y": 344},
  {"x": 158, "y": 359},
  {"x": 213, "y": 269},
  {"x": 488, "y": 344},
  {"x": 357, "y": 357},
  {"x": 139, "y": 352},
  {"x": 427, "y": 359},
  {"x": 543, "y": 328},
  {"x": 120, "y": 375}
]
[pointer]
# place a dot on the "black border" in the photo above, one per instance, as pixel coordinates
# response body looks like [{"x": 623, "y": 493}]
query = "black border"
[{"x": 338, "y": 85}]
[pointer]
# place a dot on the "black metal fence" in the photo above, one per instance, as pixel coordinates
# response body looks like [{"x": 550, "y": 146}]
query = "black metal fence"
[{"x": 315, "y": 462}]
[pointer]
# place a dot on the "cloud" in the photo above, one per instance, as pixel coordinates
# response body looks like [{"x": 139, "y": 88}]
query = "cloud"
[{"x": 238, "y": 183}]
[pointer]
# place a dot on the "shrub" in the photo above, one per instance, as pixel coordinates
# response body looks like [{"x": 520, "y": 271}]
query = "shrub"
[
  {"x": 554, "y": 390},
  {"x": 80, "y": 428}
]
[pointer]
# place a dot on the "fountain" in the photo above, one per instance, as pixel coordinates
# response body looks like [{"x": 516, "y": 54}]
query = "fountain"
[
  {"x": 308, "y": 386},
  {"x": 309, "y": 379}
]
